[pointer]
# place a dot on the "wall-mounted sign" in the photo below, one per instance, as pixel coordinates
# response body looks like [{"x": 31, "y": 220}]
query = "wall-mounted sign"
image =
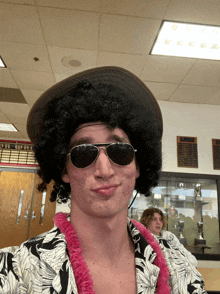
[
  {"x": 17, "y": 153},
  {"x": 187, "y": 154},
  {"x": 216, "y": 153}
]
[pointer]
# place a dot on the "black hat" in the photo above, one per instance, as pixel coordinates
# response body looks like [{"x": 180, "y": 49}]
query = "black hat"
[{"x": 131, "y": 85}]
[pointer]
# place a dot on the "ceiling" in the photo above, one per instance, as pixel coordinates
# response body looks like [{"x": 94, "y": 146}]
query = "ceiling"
[{"x": 44, "y": 41}]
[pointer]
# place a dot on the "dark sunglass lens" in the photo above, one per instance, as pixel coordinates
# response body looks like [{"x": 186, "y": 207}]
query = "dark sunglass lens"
[
  {"x": 83, "y": 155},
  {"x": 121, "y": 153}
]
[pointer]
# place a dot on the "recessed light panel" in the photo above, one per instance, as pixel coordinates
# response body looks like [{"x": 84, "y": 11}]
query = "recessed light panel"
[
  {"x": 7, "y": 127},
  {"x": 1, "y": 62},
  {"x": 188, "y": 40}
]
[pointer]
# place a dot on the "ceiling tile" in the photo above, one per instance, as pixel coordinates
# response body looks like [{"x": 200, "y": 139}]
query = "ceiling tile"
[
  {"x": 193, "y": 94},
  {"x": 22, "y": 130},
  {"x": 6, "y": 79},
  {"x": 199, "y": 11},
  {"x": 20, "y": 23},
  {"x": 166, "y": 69},
  {"x": 33, "y": 80},
  {"x": 11, "y": 95},
  {"x": 28, "y": 2},
  {"x": 60, "y": 58},
  {"x": 21, "y": 56},
  {"x": 99, "y": 33},
  {"x": 125, "y": 34},
  {"x": 88, "y": 5},
  {"x": 69, "y": 28},
  {"x": 3, "y": 118},
  {"x": 31, "y": 95},
  {"x": 147, "y": 8},
  {"x": 10, "y": 135},
  {"x": 15, "y": 112},
  {"x": 161, "y": 91},
  {"x": 131, "y": 62},
  {"x": 205, "y": 73}
]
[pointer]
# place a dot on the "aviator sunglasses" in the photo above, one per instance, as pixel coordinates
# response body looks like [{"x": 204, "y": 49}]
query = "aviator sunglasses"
[{"x": 84, "y": 155}]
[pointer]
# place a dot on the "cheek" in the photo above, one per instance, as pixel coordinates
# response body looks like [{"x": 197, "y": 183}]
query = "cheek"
[
  {"x": 152, "y": 224},
  {"x": 74, "y": 175},
  {"x": 132, "y": 171},
  {"x": 129, "y": 177}
]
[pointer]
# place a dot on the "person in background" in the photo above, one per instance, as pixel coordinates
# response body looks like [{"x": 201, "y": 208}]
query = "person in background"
[
  {"x": 97, "y": 136},
  {"x": 181, "y": 263}
]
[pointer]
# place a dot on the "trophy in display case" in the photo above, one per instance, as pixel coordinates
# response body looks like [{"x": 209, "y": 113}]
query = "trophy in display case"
[
  {"x": 198, "y": 192},
  {"x": 200, "y": 240},
  {"x": 180, "y": 229}
]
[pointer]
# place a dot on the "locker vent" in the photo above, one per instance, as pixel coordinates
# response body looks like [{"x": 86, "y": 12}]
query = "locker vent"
[
  {"x": 187, "y": 154},
  {"x": 216, "y": 153},
  {"x": 15, "y": 153}
]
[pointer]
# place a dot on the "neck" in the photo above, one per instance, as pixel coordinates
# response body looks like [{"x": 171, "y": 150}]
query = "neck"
[
  {"x": 102, "y": 235},
  {"x": 79, "y": 265}
]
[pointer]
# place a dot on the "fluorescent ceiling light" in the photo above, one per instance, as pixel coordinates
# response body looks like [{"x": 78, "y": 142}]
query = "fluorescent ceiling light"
[
  {"x": 7, "y": 127},
  {"x": 188, "y": 40},
  {"x": 2, "y": 62}
]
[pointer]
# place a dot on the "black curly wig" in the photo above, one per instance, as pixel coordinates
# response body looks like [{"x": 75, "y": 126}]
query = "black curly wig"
[{"x": 96, "y": 103}]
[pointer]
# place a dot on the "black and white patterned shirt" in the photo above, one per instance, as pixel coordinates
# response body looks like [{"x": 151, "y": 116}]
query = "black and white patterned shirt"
[{"x": 42, "y": 265}]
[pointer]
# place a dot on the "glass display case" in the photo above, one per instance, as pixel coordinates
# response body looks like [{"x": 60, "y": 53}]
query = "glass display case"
[{"x": 191, "y": 205}]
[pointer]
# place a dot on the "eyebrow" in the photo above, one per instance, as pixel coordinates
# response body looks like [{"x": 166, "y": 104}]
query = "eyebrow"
[
  {"x": 118, "y": 138},
  {"x": 88, "y": 140},
  {"x": 84, "y": 140}
]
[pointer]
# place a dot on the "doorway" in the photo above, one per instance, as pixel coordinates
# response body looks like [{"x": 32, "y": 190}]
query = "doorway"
[{"x": 24, "y": 211}]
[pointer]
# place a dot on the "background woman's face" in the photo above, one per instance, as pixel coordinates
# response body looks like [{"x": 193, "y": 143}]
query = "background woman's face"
[{"x": 156, "y": 224}]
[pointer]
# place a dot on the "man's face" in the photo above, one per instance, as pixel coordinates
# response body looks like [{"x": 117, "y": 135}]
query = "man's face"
[{"x": 104, "y": 188}]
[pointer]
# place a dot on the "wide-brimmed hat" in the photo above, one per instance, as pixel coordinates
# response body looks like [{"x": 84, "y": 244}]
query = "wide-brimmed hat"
[{"x": 129, "y": 83}]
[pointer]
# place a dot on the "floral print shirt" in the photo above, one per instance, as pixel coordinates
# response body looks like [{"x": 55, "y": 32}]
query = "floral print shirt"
[
  {"x": 42, "y": 265},
  {"x": 184, "y": 277}
]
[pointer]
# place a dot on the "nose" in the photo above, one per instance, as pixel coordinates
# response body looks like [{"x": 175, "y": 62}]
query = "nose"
[
  {"x": 159, "y": 222},
  {"x": 103, "y": 165}
]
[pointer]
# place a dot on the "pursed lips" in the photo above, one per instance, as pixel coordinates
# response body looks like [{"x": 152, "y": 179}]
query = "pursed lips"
[{"x": 106, "y": 190}]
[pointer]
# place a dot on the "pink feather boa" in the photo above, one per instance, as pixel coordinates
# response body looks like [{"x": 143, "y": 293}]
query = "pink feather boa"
[{"x": 83, "y": 277}]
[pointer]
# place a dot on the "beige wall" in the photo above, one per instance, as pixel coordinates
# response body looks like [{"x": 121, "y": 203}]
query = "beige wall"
[{"x": 182, "y": 119}]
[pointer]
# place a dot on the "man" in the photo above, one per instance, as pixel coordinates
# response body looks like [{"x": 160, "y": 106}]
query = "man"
[{"x": 97, "y": 135}]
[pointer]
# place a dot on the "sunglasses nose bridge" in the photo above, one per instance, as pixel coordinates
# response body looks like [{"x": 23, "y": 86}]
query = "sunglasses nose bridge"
[{"x": 102, "y": 147}]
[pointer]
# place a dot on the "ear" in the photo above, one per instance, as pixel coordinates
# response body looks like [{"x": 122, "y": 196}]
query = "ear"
[
  {"x": 137, "y": 171},
  {"x": 65, "y": 178}
]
